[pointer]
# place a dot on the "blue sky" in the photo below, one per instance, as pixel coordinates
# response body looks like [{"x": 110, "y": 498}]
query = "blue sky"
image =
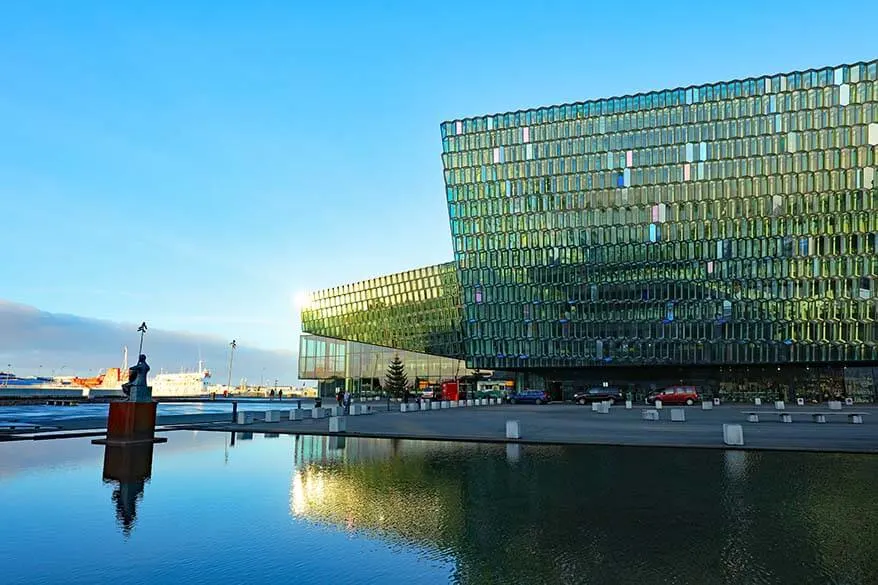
[{"x": 274, "y": 147}]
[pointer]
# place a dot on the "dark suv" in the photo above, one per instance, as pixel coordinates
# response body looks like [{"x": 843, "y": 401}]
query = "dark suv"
[{"x": 599, "y": 394}]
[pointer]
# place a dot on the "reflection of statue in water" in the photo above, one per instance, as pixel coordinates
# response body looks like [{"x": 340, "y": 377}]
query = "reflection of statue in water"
[
  {"x": 135, "y": 388},
  {"x": 125, "y": 496},
  {"x": 129, "y": 468}
]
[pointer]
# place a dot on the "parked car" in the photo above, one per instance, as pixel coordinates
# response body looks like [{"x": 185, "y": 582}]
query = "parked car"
[
  {"x": 599, "y": 394},
  {"x": 529, "y": 396},
  {"x": 675, "y": 395}
]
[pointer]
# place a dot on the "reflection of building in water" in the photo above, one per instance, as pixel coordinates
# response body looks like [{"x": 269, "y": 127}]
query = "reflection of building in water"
[
  {"x": 130, "y": 468},
  {"x": 389, "y": 486},
  {"x": 349, "y": 500},
  {"x": 558, "y": 514}
]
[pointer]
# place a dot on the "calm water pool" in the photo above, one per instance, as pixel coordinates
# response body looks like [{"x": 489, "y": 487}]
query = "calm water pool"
[{"x": 325, "y": 510}]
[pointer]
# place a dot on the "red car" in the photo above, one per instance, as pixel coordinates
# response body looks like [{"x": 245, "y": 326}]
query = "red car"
[{"x": 687, "y": 395}]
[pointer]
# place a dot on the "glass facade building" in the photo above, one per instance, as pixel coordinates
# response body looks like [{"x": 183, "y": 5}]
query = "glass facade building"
[
  {"x": 361, "y": 367},
  {"x": 417, "y": 310},
  {"x": 728, "y": 225}
]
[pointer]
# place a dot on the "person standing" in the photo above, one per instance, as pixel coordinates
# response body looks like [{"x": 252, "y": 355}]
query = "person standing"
[{"x": 347, "y": 402}]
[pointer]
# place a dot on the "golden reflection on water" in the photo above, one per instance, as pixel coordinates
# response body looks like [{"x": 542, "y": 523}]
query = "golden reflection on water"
[{"x": 576, "y": 511}]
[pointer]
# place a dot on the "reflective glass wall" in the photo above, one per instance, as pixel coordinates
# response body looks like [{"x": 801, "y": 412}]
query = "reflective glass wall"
[
  {"x": 417, "y": 310},
  {"x": 730, "y": 223},
  {"x": 361, "y": 368}
]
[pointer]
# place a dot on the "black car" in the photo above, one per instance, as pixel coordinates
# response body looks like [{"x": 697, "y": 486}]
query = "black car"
[{"x": 599, "y": 394}]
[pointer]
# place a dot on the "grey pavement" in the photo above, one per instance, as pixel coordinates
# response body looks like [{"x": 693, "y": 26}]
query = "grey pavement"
[{"x": 574, "y": 424}]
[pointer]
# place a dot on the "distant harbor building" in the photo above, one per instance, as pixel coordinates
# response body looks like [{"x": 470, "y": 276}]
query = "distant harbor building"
[{"x": 721, "y": 235}]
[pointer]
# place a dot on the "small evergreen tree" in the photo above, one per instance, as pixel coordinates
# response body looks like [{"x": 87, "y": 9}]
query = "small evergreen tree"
[{"x": 396, "y": 380}]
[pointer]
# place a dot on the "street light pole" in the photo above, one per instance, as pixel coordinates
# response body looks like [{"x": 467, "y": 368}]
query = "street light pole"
[{"x": 232, "y": 345}]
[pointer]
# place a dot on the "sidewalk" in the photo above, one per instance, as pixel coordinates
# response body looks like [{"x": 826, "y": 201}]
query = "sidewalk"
[{"x": 573, "y": 424}]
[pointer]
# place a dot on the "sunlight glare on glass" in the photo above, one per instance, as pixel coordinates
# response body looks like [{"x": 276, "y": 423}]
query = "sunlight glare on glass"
[{"x": 301, "y": 300}]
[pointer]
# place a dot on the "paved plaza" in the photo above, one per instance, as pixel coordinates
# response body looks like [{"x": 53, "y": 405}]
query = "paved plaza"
[
  {"x": 547, "y": 424},
  {"x": 574, "y": 424}
]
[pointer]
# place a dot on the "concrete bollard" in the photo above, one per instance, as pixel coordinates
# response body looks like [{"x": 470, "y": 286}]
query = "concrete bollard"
[
  {"x": 856, "y": 419},
  {"x": 604, "y": 408},
  {"x": 272, "y": 416},
  {"x": 820, "y": 418},
  {"x": 650, "y": 414},
  {"x": 779, "y": 405},
  {"x": 513, "y": 430},
  {"x": 595, "y": 406},
  {"x": 337, "y": 424},
  {"x": 445, "y": 404},
  {"x": 435, "y": 405},
  {"x": 297, "y": 414},
  {"x": 628, "y": 405},
  {"x": 469, "y": 402},
  {"x": 334, "y": 410},
  {"x": 707, "y": 405},
  {"x": 678, "y": 415},
  {"x": 800, "y": 401},
  {"x": 403, "y": 407},
  {"x": 787, "y": 418},
  {"x": 245, "y": 418},
  {"x": 716, "y": 401},
  {"x": 733, "y": 435},
  {"x": 658, "y": 404},
  {"x": 835, "y": 405},
  {"x": 849, "y": 401},
  {"x": 757, "y": 401},
  {"x": 753, "y": 418},
  {"x": 318, "y": 412}
]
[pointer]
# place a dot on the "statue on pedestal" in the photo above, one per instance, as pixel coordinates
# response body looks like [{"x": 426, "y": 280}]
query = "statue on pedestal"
[{"x": 135, "y": 389}]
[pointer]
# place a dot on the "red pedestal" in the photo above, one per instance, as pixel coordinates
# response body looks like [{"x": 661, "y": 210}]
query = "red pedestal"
[{"x": 131, "y": 422}]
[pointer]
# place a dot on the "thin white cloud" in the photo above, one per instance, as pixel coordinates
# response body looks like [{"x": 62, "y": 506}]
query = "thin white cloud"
[{"x": 35, "y": 341}]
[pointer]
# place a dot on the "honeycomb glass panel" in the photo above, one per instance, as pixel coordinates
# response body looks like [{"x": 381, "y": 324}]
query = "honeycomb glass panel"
[
  {"x": 384, "y": 311},
  {"x": 725, "y": 224}
]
